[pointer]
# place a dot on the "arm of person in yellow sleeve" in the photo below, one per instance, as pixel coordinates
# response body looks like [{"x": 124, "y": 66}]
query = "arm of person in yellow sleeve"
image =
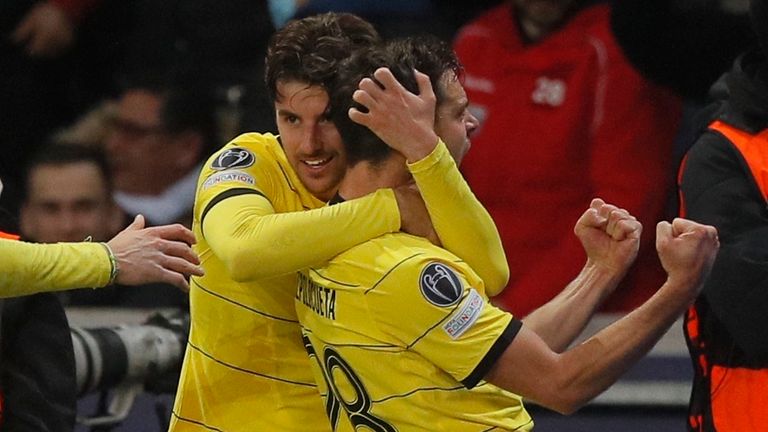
[
  {"x": 464, "y": 226},
  {"x": 255, "y": 242},
  {"x": 407, "y": 123},
  {"x": 135, "y": 256},
  {"x": 27, "y": 268}
]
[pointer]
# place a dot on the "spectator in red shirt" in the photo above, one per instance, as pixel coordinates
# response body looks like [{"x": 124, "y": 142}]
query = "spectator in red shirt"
[{"x": 564, "y": 118}]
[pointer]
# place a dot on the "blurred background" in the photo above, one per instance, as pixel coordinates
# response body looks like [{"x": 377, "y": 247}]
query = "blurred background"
[{"x": 109, "y": 108}]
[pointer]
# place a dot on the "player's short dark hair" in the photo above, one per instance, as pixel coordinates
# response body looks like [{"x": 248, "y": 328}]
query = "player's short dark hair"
[
  {"x": 67, "y": 154},
  {"x": 429, "y": 55},
  {"x": 426, "y": 54},
  {"x": 309, "y": 50}
]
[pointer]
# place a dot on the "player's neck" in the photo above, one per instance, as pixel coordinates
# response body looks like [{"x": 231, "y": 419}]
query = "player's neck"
[{"x": 364, "y": 178}]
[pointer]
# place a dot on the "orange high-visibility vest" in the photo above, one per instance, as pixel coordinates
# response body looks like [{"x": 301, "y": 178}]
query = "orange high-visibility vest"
[
  {"x": 738, "y": 396},
  {"x": 4, "y": 235}
]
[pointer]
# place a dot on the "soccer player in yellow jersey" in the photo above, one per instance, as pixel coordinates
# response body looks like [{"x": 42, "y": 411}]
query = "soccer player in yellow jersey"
[
  {"x": 259, "y": 218},
  {"x": 401, "y": 333}
]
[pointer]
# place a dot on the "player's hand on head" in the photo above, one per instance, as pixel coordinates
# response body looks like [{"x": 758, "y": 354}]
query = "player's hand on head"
[
  {"x": 610, "y": 236},
  {"x": 687, "y": 251},
  {"x": 403, "y": 120},
  {"x": 156, "y": 254},
  {"x": 414, "y": 218}
]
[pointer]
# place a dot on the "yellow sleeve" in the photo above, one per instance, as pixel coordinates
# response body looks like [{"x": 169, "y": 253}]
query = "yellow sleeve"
[
  {"x": 254, "y": 242},
  {"x": 464, "y": 226},
  {"x": 27, "y": 268}
]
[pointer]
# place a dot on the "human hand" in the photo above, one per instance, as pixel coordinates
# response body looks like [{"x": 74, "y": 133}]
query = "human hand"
[
  {"x": 45, "y": 31},
  {"x": 414, "y": 218},
  {"x": 403, "y": 120},
  {"x": 687, "y": 251},
  {"x": 610, "y": 236},
  {"x": 157, "y": 254}
]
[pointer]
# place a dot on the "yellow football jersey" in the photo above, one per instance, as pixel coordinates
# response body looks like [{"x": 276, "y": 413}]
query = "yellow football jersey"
[
  {"x": 245, "y": 367},
  {"x": 400, "y": 334}
]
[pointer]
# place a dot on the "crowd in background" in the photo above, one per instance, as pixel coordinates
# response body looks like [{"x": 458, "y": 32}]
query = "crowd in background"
[{"x": 158, "y": 86}]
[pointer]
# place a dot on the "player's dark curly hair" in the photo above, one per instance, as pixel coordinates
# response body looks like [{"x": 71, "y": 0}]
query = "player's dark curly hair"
[
  {"x": 309, "y": 50},
  {"x": 426, "y": 54}
]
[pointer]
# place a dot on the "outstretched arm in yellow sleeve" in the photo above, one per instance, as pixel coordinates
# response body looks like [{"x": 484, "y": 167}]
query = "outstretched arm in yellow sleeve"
[{"x": 255, "y": 242}]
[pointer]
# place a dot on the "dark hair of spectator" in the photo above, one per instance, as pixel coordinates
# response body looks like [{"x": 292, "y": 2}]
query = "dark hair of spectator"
[
  {"x": 309, "y": 50},
  {"x": 758, "y": 14},
  {"x": 68, "y": 154},
  {"x": 189, "y": 104},
  {"x": 427, "y": 54}
]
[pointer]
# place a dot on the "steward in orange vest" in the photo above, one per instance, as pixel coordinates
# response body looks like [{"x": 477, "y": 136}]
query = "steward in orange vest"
[{"x": 723, "y": 181}]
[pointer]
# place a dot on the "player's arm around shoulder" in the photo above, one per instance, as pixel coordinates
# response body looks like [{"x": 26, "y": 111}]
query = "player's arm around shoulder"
[
  {"x": 406, "y": 122},
  {"x": 463, "y": 225},
  {"x": 237, "y": 187},
  {"x": 272, "y": 227}
]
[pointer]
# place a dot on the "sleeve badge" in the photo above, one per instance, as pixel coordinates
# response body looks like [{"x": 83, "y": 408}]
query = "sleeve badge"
[
  {"x": 440, "y": 285},
  {"x": 236, "y": 157}
]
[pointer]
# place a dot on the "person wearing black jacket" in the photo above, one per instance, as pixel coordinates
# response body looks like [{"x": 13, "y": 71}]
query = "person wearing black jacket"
[
  {"x": 38, "y": 365},
  {"x": 723, "y": 183},
  {"x": 681, "y": 44}
]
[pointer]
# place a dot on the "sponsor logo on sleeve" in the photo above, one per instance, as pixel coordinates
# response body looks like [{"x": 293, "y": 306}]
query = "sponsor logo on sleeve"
[
  {"x": 440, "y": 285},
  {"x": 466, "y": 316},
  {"x": 229, "y": 177},
  {"x": 236, "y": 157}
]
